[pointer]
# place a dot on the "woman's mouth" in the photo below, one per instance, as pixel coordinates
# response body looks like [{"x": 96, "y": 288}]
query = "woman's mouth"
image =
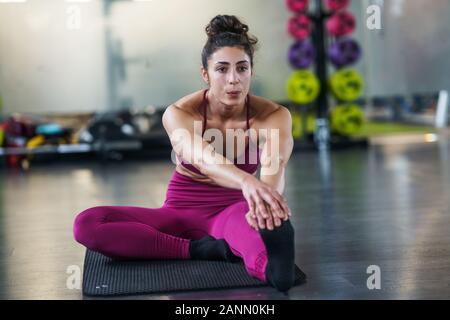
[{"x": 234, "y": 94}]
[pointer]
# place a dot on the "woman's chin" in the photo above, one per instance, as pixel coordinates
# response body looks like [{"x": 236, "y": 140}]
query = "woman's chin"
[{"x": 232, "y": 102}]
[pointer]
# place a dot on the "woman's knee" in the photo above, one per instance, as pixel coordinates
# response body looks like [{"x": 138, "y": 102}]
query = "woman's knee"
[
  {"x": 243, "y": 206},
  {"x": 85, "y": 224}
]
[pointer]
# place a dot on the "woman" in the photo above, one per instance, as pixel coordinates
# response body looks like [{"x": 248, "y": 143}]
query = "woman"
[{"x": 215, "y": 208}]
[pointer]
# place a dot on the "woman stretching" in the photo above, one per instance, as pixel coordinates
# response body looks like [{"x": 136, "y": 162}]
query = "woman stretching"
[{"x": 215, "y": 207}]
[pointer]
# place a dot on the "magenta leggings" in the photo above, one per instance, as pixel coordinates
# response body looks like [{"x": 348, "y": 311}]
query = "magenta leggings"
[{"x": 191, "y": 210}]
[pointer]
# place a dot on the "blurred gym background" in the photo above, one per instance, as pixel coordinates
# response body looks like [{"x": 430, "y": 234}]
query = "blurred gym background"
[{"x": 83, "y": 85}]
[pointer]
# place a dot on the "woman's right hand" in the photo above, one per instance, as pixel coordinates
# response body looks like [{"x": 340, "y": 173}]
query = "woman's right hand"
[{"x": 259, "y": 194}]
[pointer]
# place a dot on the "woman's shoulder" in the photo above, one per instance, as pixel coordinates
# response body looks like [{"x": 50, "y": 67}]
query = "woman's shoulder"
[
  {"x": 265, "y": 109},
  {"x": 261, "y": 108},
  {"x": 190, "y": 102}
]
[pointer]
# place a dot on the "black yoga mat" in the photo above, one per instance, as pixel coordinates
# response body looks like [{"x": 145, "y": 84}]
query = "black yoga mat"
[{"x": 103, "y": 276}]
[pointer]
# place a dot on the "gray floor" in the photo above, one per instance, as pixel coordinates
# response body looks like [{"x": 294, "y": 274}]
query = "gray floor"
[{"x": 386, "y": 206}]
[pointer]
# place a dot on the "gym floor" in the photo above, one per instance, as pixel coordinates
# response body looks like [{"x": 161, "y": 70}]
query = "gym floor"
[{"x": 387, "y": 205}]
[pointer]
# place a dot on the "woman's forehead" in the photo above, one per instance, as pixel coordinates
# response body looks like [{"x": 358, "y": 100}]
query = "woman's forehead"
[{"x": 230, "y": 55}]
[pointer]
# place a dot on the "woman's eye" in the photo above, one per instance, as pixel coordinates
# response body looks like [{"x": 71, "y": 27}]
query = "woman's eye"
[
  {"x": 243, "y": 68},
  {"x": 221, "y": 69}
]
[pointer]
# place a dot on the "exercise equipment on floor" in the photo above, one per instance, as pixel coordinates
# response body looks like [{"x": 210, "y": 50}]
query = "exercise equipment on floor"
[
  {"x": 109, "y": 126},
  {"x": 301, "y": 54},
  {"x": 50, "y": 129},
  {"x": 20, "y": 126},
  {"x": 347, "y": 84},
  {"x": 341, "y": 23},
  {"x": 14, "y": 160},
  {"x": 344, "y": 52},
  {"x": 27, "y": 135},
  {"x": 35, "y": 142},
  {"x": 303, "y": 87},
  {"x": 299, "y": 26},
  {"x": 347, "y": 119}
]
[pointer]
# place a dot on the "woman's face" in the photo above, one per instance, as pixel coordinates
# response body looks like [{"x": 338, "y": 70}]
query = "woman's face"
[{"x": 229, "y": 71}]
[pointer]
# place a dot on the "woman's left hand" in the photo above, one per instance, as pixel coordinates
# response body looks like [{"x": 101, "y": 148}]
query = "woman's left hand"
[{"x": 272, "y": 220}]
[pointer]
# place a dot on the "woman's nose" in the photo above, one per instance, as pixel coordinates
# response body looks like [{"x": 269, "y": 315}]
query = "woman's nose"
[{"x": 233, "y": 77}]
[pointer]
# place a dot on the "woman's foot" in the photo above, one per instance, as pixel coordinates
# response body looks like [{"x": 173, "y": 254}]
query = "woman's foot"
[
  {"x": 279, "y": 242},
  {"x": 210, "y": 248}
]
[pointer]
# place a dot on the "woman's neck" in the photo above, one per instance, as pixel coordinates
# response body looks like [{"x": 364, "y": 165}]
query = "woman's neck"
[{"x": 224, "y": 112}]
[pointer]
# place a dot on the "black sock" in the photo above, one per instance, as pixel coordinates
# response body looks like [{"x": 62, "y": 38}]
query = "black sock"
[
  {"x": 209, "y": 248},
  {"x": 279, "y": 242}
]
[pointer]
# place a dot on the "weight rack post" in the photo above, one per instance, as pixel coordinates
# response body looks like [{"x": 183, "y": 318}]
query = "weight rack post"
[{"x": 322, "y": 136}]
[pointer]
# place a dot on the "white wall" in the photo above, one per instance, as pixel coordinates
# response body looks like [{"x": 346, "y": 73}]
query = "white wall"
[
  {"x": 44, "y": 66},
  {"x": 411, "y": 52},
  {"x": 170, "y": 36}
]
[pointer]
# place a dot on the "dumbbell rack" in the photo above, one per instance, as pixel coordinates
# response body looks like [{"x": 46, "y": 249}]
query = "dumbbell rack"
[{"x": 322, "y": 137}]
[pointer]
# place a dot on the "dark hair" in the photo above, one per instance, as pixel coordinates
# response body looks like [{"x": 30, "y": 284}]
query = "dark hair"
[{"x": 227, "y": 31}]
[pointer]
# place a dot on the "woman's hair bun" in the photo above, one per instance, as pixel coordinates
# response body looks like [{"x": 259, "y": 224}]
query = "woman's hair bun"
[
  {"x": 225, "y": 23},
  {"x": 227, "y": 31}
]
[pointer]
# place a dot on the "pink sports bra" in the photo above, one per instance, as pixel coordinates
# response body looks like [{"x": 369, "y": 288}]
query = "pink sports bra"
[{"x": 246, "y": 165}]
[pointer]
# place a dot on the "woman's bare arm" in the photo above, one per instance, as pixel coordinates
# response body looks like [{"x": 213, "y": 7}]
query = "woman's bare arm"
[
  {"x": 191, "y": 147},
  {"x": 277, "y": 148}
]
